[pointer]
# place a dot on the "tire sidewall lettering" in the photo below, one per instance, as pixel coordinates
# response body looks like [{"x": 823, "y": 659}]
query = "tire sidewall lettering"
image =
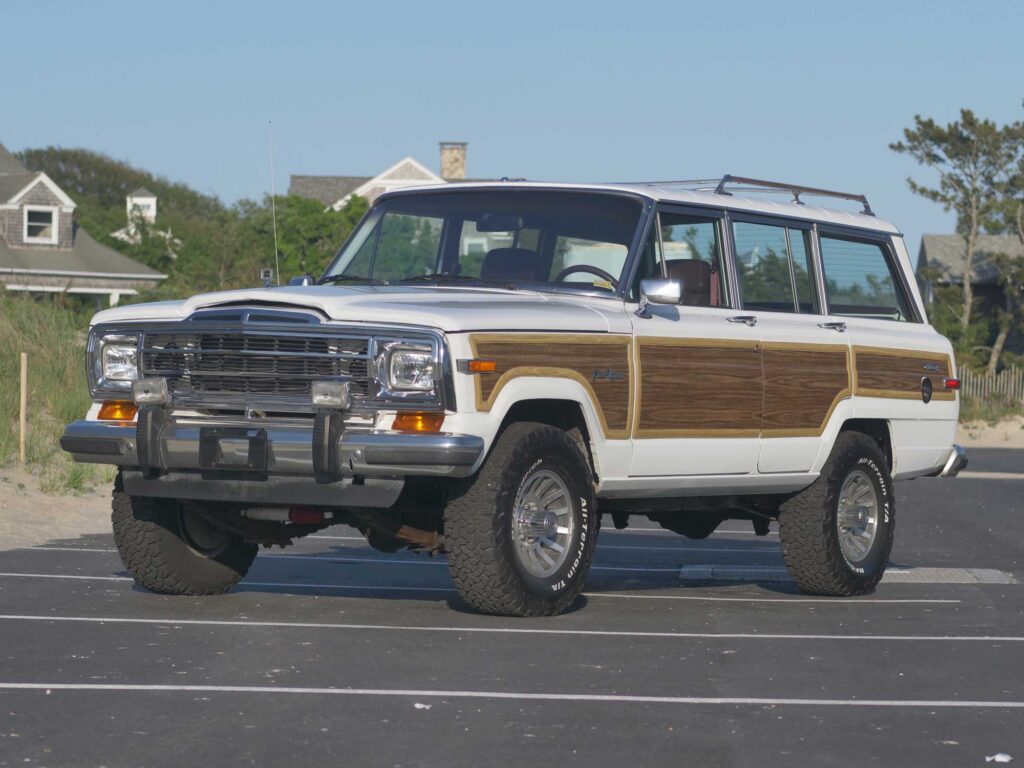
[
  {"x": 570, "y": 571},
  {"x": 884, "y": 489}
]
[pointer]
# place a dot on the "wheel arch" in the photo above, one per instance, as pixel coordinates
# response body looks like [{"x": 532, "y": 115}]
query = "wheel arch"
[
  {"x": 565, "y": 414},
  {"x": 878, "y": 430}
]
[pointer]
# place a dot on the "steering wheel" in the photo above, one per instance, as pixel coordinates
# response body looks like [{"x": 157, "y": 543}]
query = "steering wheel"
[{"x": 560, "y": 277}]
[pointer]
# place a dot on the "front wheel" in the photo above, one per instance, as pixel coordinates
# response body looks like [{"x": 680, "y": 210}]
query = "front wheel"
[
  {"x": 837, "y": 533},
  {"x": 175, "y": 550},
  {"x": 520, "y": 535}
]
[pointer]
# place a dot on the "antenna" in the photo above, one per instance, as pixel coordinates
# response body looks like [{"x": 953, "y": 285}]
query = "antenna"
[{"x": 273, "y": 204}]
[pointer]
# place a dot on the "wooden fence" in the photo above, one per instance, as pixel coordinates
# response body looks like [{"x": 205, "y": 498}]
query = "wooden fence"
[{"x": 1006, "y": 386}]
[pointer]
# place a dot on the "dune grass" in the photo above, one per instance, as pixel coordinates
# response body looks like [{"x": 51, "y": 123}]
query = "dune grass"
[{"x": 53, "y": 333}]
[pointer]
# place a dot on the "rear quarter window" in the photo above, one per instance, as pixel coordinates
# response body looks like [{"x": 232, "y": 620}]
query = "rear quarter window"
[{"x": 861, "y": 280}]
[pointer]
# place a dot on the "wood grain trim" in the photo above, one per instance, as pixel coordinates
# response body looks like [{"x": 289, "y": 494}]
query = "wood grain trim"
[
  {"x": 897, "y": 373},
  {"x": 568, "y": 356},
  {"x": 810, "y": 395},
  {"x": 706, "y": 388}
]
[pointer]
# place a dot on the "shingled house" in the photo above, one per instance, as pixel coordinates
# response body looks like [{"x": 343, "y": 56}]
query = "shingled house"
[
  {"x": 43, "y": 250},
  {"x": 335, "y": 191},
  {"x": 941, "y": 262}
]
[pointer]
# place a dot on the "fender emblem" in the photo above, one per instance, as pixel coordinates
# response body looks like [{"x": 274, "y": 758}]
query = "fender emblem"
[
  {"x": 933, "y": 367},
  {"x": 608, "y": 375}
]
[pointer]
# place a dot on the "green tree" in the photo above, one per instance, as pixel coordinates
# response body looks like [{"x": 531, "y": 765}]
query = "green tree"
[{"x": 974, "y": 159}]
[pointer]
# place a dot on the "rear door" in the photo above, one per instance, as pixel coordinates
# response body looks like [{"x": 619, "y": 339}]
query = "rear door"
[
  {"x": 698, "y": 399},
  {"x": 899, "y": 362},
  {"x": 804, "y": 354}
]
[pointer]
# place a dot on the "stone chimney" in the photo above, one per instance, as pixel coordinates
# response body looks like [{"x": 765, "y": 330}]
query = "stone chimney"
[{"x": 453, "y": 160}]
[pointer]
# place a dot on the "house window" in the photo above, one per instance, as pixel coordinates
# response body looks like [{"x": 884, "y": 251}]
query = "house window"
[{"x": 40, "y": 224}]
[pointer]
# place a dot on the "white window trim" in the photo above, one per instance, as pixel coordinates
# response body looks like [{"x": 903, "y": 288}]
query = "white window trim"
[{"x": 54, "y": 238}]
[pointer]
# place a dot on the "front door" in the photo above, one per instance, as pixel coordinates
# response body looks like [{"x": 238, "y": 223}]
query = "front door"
[{"x": 699, "y": 397}]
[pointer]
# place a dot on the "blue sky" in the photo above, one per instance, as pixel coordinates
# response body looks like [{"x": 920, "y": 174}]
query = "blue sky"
[{"x": 805, "y": 92}]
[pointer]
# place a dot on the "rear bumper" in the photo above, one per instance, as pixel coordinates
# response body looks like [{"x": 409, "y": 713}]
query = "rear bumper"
[
  {"x": 292, "y": 450},
  {"x": 956, "y": 462}
]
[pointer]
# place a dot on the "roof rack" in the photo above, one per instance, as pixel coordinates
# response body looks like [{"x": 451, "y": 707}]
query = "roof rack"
[
  {"x": 718, "y": 186},
  {"x": 760, "y": 185}
]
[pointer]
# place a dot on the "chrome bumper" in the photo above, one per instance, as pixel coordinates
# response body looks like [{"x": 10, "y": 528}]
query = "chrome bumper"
[
  {"x": 174, "y": 446},
  {"x": 956, "y": 462}
]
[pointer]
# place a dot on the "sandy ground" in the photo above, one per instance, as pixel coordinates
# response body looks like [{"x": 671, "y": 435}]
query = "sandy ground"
[
  {"x": 1005, "y": 434},
  {"x": 29, "y": 517}
]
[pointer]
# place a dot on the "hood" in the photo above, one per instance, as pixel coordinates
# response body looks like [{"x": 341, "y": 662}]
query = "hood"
[{"x": 451, "y": 309}]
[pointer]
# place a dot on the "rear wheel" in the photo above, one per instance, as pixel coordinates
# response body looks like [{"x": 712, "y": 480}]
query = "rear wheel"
[
  {"x": 521, "y": 534},
  {"x": 837, "y": 534},
  {"x": 174, "y": 549}
]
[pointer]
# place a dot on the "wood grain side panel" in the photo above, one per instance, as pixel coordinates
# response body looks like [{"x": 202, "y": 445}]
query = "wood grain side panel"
[
  {"x": 693, "y": 388},
  {"x": 572, "y": 356},
  {"x": 803, "y": 385},
  {"x": 897, "y": 373}
]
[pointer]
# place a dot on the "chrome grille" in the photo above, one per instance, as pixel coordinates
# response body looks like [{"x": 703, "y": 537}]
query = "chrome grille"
[{"x": 203, "y": 365}]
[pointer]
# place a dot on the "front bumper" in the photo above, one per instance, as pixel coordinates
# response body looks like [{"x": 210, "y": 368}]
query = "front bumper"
[{"x": 164, "y": 448}]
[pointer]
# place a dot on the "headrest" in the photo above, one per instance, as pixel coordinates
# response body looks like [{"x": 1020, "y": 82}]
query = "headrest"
[
  {"x": 695, "y": 276},
  {"x": 512, "y": 264}
]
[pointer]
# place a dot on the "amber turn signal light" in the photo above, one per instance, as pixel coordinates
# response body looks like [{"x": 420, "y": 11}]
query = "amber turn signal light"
[
  {"x": 418, "y": 421},
  {"x": 118, "y": 410},
  {"x": 478, "y": 366}
]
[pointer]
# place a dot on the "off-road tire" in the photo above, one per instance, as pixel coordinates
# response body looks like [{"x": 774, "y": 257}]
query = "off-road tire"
[
  {"x": 810, "y": 534},
  {"x": 478, "y": 525},
  {"x": 156, "y": 551}
]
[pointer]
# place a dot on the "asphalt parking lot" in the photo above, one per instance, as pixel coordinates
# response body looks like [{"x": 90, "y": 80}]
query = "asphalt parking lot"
[{"x": 681, "y": 652}]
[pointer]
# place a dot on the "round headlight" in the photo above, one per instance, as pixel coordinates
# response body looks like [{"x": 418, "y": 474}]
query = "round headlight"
[{"x": 411, "y": 369}]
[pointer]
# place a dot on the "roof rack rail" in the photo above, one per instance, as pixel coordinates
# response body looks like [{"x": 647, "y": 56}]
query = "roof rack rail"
[{"x": 760, "y": 185}]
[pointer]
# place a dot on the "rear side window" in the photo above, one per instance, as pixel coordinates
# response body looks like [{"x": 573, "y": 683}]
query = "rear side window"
[
  {"x": 861, "y": 280},
  {"x": 773, "y": 263}
]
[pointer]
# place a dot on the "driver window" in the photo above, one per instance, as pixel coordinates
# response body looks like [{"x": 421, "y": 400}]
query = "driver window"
[{"x": 693, "y": 255}]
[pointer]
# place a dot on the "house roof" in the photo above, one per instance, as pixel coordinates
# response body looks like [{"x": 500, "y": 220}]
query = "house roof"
[
  {"x": 141, "y": 192},
  {"x": 12, "y": 183},
  {"x": 945, "y": 253},
  {"x": 327, "y": 189},
  {"x": 9, "y": 163},
  {"x": 86, "y": 257}
]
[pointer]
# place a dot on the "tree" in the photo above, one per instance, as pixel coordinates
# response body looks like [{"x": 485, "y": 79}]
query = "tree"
[{"x": 975, "y": 159}]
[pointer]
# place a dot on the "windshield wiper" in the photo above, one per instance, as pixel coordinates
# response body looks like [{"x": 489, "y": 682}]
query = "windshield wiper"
[
  {"x": 333, "y": 279},
  {"x": 440, "y": 277}
]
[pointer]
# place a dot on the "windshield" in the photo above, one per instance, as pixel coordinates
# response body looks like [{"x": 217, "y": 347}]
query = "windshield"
[{"x": 573, "y": 241}]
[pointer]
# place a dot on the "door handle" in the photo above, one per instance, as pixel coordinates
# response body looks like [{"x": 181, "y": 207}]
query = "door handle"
[
  {"x": 834, "y": 326},
  {"x": 748, "y": 320}
]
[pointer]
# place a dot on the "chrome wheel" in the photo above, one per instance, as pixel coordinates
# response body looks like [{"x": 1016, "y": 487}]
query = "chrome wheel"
[
  {"x": 857, "y": 517},
  {"x": 542, "y": 523}
]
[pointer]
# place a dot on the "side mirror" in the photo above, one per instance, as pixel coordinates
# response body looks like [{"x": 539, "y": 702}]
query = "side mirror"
[
  {"x": 658, "y": 291},
  {"x": 301, "y": 280}
]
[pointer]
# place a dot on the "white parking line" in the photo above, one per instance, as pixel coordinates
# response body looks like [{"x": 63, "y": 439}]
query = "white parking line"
[
  {"x": 589, "y": 697},
  {"x": 343, "y": 559},
  {"x": 519, "y": 630},
  {"x": 689, "y": 572},
  {"x": 325, "y": 555},
  {"x": 601, "y": 546},
  {"x": 991, "y": 475},
  {"x": 623, "y": 595}
]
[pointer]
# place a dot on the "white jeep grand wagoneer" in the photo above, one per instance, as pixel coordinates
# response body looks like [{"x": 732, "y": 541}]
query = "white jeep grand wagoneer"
[{"x": 487, "y": 369}]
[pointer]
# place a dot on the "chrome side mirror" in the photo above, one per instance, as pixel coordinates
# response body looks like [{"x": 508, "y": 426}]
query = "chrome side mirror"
[
  {"x": 658, "y": 291},
  {"x": 301, "y": 280}
]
